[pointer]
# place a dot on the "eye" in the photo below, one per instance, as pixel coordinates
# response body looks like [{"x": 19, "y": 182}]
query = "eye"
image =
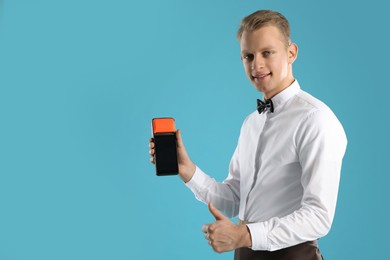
[
  {"x": 267, "y": 53},
  {"x": 248, "y": 57}
]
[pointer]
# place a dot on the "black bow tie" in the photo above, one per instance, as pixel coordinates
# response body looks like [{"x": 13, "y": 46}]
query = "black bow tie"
[{"x": 265, "y": 105}]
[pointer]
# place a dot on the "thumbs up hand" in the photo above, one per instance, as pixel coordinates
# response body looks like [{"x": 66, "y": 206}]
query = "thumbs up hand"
[
  {"x": 216, "y": 213},
  {"x": 223, "y": 235}
]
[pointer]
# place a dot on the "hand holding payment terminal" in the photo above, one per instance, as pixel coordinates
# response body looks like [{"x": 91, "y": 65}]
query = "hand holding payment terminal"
[{"x": 165, "y": 156}]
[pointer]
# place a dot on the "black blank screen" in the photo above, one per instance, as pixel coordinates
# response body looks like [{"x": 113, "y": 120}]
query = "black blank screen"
[{"x": 166, "y": 154}]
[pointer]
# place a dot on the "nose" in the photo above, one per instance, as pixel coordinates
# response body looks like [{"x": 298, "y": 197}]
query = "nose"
[{"x": 257, "y": 63}]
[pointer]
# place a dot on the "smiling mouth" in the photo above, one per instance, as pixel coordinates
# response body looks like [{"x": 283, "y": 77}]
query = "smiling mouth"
[{"x": 261, "y": 76}]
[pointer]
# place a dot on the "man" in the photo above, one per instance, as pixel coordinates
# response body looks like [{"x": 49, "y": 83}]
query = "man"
[{"x": 284, "y": 174}]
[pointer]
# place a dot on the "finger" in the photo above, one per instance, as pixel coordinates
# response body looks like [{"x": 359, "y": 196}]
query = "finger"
[
  {"x": 151, "y": 150},
  {"x": 205, "y": 228},
  {"x": 216, "y": 213},
  {"x": 182, "y": 153},
  {"x": 179, "y": 139}
]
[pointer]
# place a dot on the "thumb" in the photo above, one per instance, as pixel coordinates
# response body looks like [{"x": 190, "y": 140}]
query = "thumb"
[
  {"x": 182, "y": 153},
  {"x": 179, "y": 139},
  {"x": 216, "y": 213}
]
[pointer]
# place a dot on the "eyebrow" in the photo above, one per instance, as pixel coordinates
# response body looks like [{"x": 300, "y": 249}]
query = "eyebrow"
[{"x": 261, "y": 50}]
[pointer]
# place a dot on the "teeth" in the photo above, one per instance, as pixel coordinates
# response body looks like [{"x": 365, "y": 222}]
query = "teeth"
[{"x": 261, "y": 76}]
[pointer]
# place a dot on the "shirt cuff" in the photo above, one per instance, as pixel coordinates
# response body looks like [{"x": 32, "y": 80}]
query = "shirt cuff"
[
  {"x": 198, "y": 181},
  {"x": 259, "y": 234}
]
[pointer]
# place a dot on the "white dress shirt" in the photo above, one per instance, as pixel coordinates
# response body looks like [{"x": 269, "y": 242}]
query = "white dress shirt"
[{"x": 284, "y": 174}]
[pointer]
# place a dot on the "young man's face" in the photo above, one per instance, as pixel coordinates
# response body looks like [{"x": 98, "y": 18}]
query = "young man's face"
[{"x": 267, "y": 60}]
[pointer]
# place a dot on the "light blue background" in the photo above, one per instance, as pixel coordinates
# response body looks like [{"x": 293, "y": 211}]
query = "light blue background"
[{"x": 81, "y": 80}]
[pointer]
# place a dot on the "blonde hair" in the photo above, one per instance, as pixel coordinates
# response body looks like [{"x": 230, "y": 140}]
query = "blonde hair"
[{"x": 262, "y": 18}]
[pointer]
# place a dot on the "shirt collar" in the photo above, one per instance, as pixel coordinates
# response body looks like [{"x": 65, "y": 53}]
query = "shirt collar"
[{"x": 285, "y": 95}]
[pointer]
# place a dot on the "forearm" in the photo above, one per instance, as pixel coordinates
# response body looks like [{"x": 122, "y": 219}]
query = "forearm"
[
  {"x": 187, "y": 172},
  {"x": 298, "y": 227},
  {"x": 206, "y": 189}
]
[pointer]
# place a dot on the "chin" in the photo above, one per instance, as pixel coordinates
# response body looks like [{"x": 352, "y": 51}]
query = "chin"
[{"x": 262, "y": 89}]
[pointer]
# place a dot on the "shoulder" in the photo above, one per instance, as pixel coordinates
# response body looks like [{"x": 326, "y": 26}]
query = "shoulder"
[
  {"x": 310, "y": 109},
  {"x": 251, "y": 124},
  {"x": 250, "y": 118},
  {"x": 253, "y": 120},
  {"x": 310, "y": 103},
  {"x": 317, "y": 119}
]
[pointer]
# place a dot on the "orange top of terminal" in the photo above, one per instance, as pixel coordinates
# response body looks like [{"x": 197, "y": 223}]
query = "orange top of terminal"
[{"x": 163, "y": 125}]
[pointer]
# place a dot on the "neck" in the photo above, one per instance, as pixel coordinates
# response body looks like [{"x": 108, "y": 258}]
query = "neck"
[{"x": 271, "y": 95}]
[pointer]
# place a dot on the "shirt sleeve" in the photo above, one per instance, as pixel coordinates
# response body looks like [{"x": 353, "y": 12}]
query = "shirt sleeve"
[
  {"x": 225, "y": 195},
  {"x": 321, "y": 144}
]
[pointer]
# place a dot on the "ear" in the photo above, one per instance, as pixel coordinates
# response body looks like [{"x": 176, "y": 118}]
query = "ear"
[{"x": 292, "y": 53}]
